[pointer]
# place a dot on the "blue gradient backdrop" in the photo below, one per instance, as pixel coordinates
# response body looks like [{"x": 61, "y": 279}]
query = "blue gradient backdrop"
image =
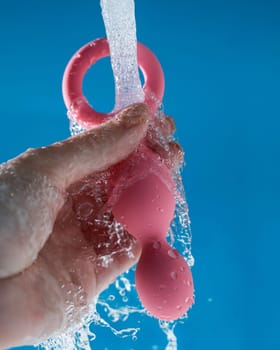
[{"x": 221, "y": 62}]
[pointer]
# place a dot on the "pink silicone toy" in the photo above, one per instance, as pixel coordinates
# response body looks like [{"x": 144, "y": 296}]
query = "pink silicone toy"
[{"x": 145, "y": 204}]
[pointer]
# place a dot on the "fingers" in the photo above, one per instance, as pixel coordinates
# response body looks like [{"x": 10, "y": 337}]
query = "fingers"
[
  {"x": 69, "y": 161},
  {"x": 160, "y": 140},
  {"x": 114, "y": 255},
  {"x": 165, "y": 126},
  {"x": 69, "y": 273},
  {"x": 173, "y": 155},
  {"x": 115, "y": 249},
  {"x": 33, "y": 184}
]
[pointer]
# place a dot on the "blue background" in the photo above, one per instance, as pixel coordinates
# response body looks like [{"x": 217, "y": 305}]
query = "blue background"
[{"x": 221, "y": 63}]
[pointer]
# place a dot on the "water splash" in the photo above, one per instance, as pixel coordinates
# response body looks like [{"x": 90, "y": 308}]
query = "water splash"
[
  {"x": 168, "y": 329},
  {"x": 77, "y": 337},
  {"x": 118, "y": 308}
]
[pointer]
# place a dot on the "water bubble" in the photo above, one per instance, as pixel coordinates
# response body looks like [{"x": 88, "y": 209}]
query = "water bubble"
[
  {"x": 187, "y": 283},
  {"x": 84, "y": 210},
  {"x": 174, "y": 275},
  {"x": 179, "y": 307},
  {"x": 172, "y": 253},
  {"x": 123, "y": 283},
  {"x": 75, "y": 128},
  {"x": 157, "y": 245},
  {"x": 130, "y": 254}
]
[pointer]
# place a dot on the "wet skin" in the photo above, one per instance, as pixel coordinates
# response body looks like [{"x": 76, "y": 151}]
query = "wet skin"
[{"x": 51, "y": 257}]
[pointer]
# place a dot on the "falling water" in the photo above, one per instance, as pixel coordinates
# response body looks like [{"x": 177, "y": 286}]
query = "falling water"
[{"x": 119, "y": 20}]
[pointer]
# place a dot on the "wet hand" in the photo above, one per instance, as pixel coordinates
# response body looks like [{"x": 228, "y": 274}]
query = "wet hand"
[{"x": 49, "y": 267}]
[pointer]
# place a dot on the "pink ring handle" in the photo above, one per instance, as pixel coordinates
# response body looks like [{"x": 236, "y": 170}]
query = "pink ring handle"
[{"x": 89, "y": 54}]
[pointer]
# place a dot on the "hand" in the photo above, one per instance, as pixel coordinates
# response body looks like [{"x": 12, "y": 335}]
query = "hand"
[{"x": 50, "y": 263}]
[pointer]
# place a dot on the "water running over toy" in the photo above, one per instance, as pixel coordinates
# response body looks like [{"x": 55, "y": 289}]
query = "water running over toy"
[{"x": 143, "y": 195}]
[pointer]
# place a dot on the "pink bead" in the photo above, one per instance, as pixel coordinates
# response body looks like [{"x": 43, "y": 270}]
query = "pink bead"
[{"x": 146, "y": 208}]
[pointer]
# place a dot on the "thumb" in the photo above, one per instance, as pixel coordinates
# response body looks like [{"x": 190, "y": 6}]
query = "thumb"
[
  {"x": 69, "y": 161},
  {"x": 32, "y": 186}
]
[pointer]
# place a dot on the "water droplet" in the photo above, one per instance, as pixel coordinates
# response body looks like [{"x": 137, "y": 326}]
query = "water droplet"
[
  {"x": 187, "y": 283},
  {"x": 173, "y": 275},
  {"x": 187, "y": 300},
  {"x": 162, "y": 286},
  {"x": 179, "y": 307},
  {"x": 159, "y": 307},
  {"x": 161, "y": 210},
  {"x": 75, "y": 128},
  {"x": 111, "y": 297},
  {"x": 84, "y": 210},
  {"x": 182, "y": 268},
  {"x": 157, "y": 245},
  {"x": 172, "y": 253},
  {"x": 190, "y": 260}
]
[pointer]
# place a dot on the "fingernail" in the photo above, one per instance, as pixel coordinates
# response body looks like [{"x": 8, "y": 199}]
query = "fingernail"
[{"x": 135, "y": 115}]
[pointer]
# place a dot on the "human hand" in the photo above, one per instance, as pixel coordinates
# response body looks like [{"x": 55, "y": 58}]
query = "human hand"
[{"x": 48, "y": 261}]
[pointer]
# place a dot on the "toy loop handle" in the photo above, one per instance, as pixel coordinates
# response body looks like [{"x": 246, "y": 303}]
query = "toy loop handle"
[{"x": 79, "y": 109}]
